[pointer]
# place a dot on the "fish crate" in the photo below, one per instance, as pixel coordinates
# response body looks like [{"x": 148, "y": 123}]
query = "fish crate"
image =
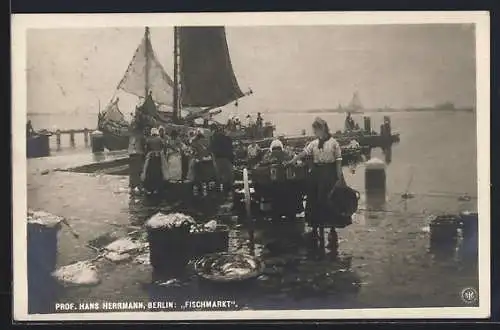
[
  {"x": 206, "y": 242},
  {"x": 444, "y": 231},
  {"x": 264, "y": 175}
]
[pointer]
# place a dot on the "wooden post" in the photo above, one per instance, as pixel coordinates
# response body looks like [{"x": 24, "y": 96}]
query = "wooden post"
[
  {"x": 375, "y": 179},
  {"x": 58, "y": 139},
  {"x": 86, "y": 136},
  {"x": 387, "y": 124},
  {"x": 367, "y": 124},
  {"x": 72, "y": 138}
]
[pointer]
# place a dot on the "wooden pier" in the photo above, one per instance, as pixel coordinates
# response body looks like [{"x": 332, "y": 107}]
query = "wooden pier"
[{"x": 71, "y": 133}]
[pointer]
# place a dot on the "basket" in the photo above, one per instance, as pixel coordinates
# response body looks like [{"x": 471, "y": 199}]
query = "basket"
[
  {"x": 203, "y": 267},
  {"x": 210, "y": 241}
]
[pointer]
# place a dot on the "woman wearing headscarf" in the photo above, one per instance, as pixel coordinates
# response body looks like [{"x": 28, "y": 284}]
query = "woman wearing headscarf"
[
  {"x": 221, "y": 147},
  {"x": 285, "y": 196},
  {"x": 276, "y": 153},
  {"x": 326, "y": 174},
  {"x": 153, "y": 173},
  {"x": 200, "y": 148}
]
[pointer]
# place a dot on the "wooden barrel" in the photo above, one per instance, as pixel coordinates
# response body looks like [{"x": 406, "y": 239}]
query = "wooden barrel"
[
  {"x": 169, "y": 250},
  {"x": 97, "y": 141},
  {"x": 470, "y": 233},
  {"x": 42, "y": 259}
]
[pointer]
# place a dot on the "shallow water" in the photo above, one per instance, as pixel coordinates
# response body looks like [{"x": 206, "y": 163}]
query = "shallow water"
[{"x": 384, "y": 261}]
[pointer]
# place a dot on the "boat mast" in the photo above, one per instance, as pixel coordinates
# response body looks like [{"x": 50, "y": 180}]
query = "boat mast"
[
  {"x": 146, "y": 51},
  {"x": 176, "y": 105}
]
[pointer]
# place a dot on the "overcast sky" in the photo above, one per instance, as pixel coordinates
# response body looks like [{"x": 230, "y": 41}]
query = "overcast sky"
[{"x": 288, "y": 68}]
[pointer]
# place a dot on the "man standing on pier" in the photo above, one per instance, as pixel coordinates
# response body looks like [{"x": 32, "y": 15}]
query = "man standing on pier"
[{"x": 29, "y": 129}]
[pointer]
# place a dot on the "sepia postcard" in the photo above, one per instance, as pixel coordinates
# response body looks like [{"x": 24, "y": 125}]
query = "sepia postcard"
[{"x": 237, "y": 166}]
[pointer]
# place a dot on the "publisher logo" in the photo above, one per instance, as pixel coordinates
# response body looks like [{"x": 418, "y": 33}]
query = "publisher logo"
[{"x": 469, "y": 295}]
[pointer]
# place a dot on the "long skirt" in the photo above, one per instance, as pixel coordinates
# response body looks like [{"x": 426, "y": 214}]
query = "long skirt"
[
  {"x": 321, "y": 182},
  {"x": 224, "y": 171},
  {"x": 286, "y": 199},
  {"x": 154, "y": 172},
  {"x": 184, "y": 166},
  {"x": 174, "y": 166}
]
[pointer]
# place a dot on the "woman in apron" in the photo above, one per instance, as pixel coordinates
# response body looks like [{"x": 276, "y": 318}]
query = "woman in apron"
[
  {"x": 153, "y": 171},
  {"x": 326, "y": 174}
]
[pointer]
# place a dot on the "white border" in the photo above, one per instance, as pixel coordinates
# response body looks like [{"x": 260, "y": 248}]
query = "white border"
[{"x": 20, "y": 23}]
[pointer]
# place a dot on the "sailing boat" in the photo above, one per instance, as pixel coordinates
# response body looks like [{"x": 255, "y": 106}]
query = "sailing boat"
[
  {"x": 355, "y": 106},
  {"x": 203, "y": 81}
]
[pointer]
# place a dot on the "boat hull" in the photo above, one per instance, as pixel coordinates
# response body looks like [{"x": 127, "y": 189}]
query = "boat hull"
[
  {"x": 375, "y": 141},
  {"x": 114, "y": 142},
  {"x": 249, "y": 134}
]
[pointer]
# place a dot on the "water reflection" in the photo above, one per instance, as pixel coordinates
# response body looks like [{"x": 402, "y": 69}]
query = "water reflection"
[
  {"x": 444, "y": 237},
  {"x": 375, "y": 208},
  {"x": 367, "y": 153},
  {"x": 387, "y": 151},
  {"x": 290, "y": 272},
  {"x": 98, "y": 157}
]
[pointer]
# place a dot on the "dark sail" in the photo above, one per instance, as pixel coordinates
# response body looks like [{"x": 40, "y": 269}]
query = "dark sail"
[{"x": 206, "y": 74}]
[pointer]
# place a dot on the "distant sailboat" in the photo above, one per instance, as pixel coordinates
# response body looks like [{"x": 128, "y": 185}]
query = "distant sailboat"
[{"x": 355, "y": 106}]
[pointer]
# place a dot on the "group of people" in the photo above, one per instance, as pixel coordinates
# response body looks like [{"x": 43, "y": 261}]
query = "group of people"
[
  {"x": 325, "y": 174},
  {"x": 174, "y": 157},
  {"x": 350, "y": 124},
  {"x": 234, "y": 123}
]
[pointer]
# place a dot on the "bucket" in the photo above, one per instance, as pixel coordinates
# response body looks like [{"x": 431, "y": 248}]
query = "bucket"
[
  {"x": 444, "y": 232},
  {"x": 210, "y": 242},
  {"x": 469, "y": 234},
  {"x": 42, "y": 259},
  {"x": 37, "y": 146},
  {"x": 168, "y": 249}
]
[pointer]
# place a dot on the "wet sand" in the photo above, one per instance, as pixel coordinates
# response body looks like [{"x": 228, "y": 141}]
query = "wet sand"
[{"x": 384, "y": 255}]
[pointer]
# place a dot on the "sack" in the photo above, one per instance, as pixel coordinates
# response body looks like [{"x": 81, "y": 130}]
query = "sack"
[
  {"x": 343, "y": 201},
  {"x": 342, "y": 222}
]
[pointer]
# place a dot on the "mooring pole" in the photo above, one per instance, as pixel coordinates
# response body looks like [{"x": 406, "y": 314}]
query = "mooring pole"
[
  {"x": 176, "y": 101},
  {"x": 58, "y": 139},
  {"x": 86, "y": 136}
]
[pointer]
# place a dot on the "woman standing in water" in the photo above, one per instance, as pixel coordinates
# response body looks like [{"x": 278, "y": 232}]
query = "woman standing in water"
[{"x": 326, "y": 174}]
